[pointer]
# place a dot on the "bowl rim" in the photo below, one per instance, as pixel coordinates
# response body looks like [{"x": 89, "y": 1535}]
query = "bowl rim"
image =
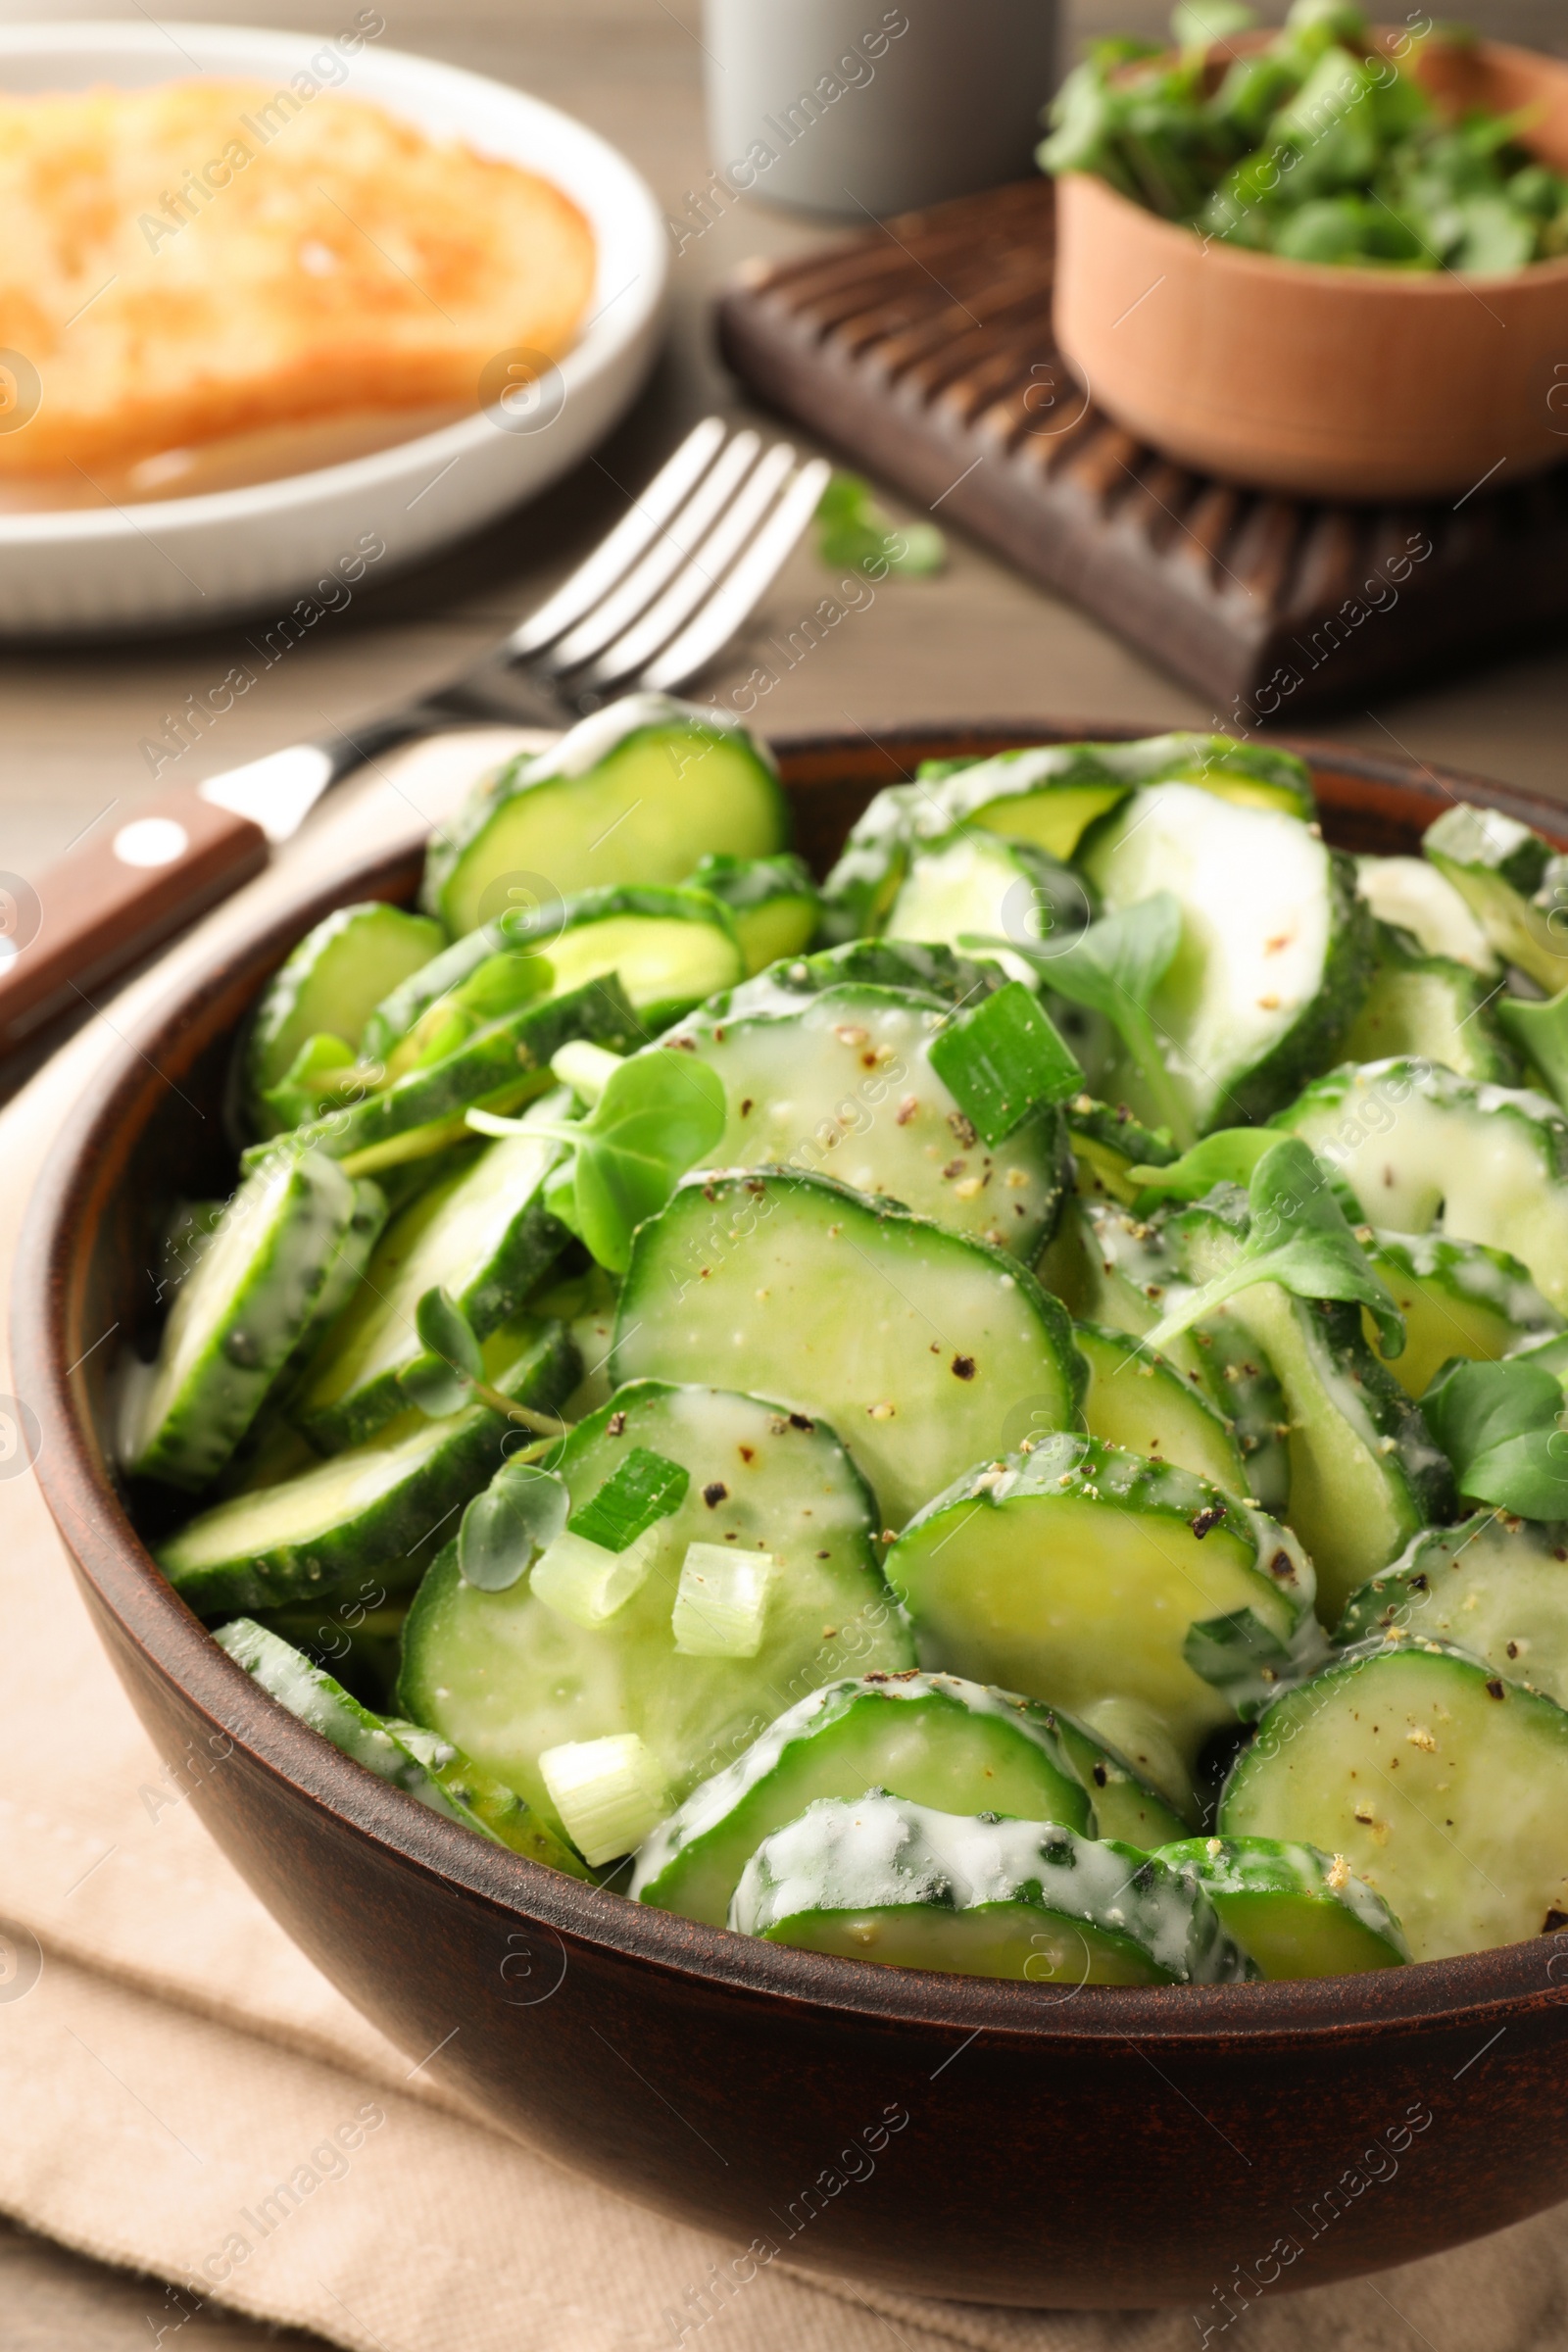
[
  {"x": 1354, "y": 284},
  {"x": 1475, "y": 1988},
  {"x": 610, "y": 333}
]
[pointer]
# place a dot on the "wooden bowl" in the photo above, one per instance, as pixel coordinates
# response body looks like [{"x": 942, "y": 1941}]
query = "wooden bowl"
[
  {"x": 1331, "y": 383},
  {"x": 1001, "y": 2143}
]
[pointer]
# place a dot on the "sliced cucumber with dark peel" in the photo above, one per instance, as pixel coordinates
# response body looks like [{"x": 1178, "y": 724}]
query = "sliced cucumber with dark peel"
[
  {"x": 669, "y": 946},
  {"x": 483, "y": 1235},
  {"x": 845, "y": 1085},
  {"x": 773, "y": 903},
  {"x": 1458, "y": 1298},
  {"x": 1421, "y": 1148},
  {"x": 637, "y": 792},
  {"x": 1443, "y": 1785},
  {"x": 1109, "y": 1143},
  {"x": 881, "y": 1879},
  {"x": 1540, "y": 1031},
  {"x": 1111, "y": 1267},
  {"x": 1431, "y": 1006},
  {"x": 930, "y": 1737},
  {"x": 1498, "y": 865},
  {"x": 974, "y": 881},
  {"x": 1411, "y": 895},
  {"x": 922, "y": 1347},
  {"x": 1127, "y": 1805},
  {"x": 1137, "y": 1401},
  {"x": 1493, "y": 1584},
  {"x": 416, "y": 1761},
  {"x": 509, "y": 1677},
  {"x": 380, "y": 1508},
  {"x": 932, "y": 971},
  {"x": 499, "y": 1069},
  {"x": 239, "y": 1319},
  {"x": 1275, "y": 952},
  {"x": 1046, "y": 794},
  {"x": 1091, "y": 1578},
  {"x": 1364, "y": 1472},
  {"x": 1296, "y": 1912},
  {"x": 330, "y": 983}
]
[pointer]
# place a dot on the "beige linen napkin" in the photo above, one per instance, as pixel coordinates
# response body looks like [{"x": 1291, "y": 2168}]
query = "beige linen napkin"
[{"x": 168, "y": 2058}]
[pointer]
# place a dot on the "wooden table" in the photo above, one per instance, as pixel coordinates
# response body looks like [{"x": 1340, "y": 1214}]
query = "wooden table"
[{"x": 976, "y": 642}]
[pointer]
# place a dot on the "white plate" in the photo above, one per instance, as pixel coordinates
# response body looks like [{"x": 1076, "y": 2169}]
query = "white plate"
[{"x": 185, "y": 560}]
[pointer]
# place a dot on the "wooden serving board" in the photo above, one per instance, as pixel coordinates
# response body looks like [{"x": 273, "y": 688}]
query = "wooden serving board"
[{"x": 923, "y": 350}]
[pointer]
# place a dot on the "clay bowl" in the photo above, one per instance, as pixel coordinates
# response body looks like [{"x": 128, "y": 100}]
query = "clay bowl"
[
  {"x": 1330, "y": 382},
  {"x": 1002, "y": 2142}
]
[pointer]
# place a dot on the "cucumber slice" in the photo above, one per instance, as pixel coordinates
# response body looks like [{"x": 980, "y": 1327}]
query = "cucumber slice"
[
  {"x": 671, "y": 947},
  {"x": 1458, "y": 1298},
  {"x": 1443, "y": 1786},
  {"x": 374, "y": 1508},
  {"x": 1049, "y": 795},
  {"x": 1540, "y": 1031},
  {"x": 931, "y": 971},
  {"x": 1126, "y": 1804},
  {"x": 1084, "y": 1575},
  {"x": 976, "y": 881},
  {"x": 1493, "y": 1584},
  {"x": 330, "y": 983},
  {"x": 1137, "y": 1401},
  {"x": 1431, "y": 1006},
  {"x": 772, "y": 902},
  {"x": 423, "y": 1766},
  {"x": 1496, "y": 864},
  {"x": 499, "y": 1069},
  {"x": 930, "y": 1737},
  {"x": 1294, "y": 1911},
  {"x": 637, "y": 792},
  {"x": 844, "y": 1084},
  {"x": 921, "y": 1346},
  {"x": 1411, "y": 895},
  {"x": 1420, "y": 1147},
  {"x": 999, "y": 792},
  {"x": 1276, "y": 947},
  {"x": 1111, "y": 1267},
  {"x": 239, "y": 1319},
  {"x": 881, "y": 1879},
  {"x": 1364, "y": 1473},
  {"x": 483, "y": 1235},
  {"x": 1107, "y": 1143},
  {"x": 509, "y": 1679}
]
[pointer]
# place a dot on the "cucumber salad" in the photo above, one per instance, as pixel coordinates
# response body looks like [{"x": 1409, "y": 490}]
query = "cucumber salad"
[{"x": 999, "y": 1412}]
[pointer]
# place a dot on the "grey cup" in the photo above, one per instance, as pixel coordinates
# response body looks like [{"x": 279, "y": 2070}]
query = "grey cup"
[{"x": 852, "y": 107}]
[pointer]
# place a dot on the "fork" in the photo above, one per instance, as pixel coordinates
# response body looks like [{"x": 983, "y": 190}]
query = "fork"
[{"x": 655, "y": 600}]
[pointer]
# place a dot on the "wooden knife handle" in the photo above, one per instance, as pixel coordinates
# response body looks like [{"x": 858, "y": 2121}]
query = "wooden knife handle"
[{"x": 108, "y": 902}]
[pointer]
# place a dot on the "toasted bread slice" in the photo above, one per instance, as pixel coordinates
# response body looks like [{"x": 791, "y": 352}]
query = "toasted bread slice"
[{"x": 212, "y": 258}]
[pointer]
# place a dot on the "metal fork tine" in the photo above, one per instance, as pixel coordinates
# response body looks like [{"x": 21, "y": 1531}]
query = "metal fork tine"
[
  {"x": 702, "y": 574},
  {"x": 615, "y": 555},
  {"x": 670, "y": 552},
  {"x": 736, "y": 596}
]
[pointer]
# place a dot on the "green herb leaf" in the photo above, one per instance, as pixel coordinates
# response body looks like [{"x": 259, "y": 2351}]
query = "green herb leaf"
[
  {"x": 659, "y": 1115},
  {"x": 1499, "y": 1426},
  {"x": 441, "y": 1380},
  {"x": 1297, "y": 1235},
  {"x": 521, "y": 1510},
  {"x": 646, "y": 1487},
  {"x": 1114, "y": 968},
  {"x": 1228, "y": 1156},
  {"x": 853, "y": 534},
  {"x": 1002, "y": 1061}
]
